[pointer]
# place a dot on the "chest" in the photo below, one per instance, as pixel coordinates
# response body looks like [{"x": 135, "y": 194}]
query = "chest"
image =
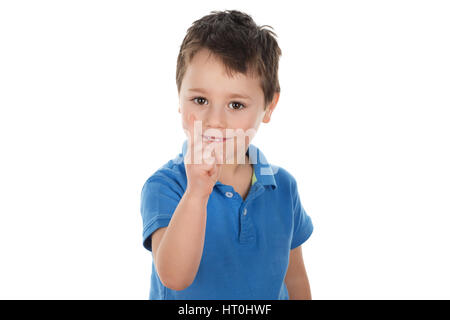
[{"x": 252, "y": 246}]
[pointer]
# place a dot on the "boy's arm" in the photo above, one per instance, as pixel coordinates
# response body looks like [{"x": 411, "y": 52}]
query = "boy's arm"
[
  {"x": 296, "y": 279},
  {"x": 177, "y": 249}
]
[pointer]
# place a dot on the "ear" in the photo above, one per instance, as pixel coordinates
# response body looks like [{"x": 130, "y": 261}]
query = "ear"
[
  {"x": 271, "y": 107},
  {"x": 179, "y": 110}
]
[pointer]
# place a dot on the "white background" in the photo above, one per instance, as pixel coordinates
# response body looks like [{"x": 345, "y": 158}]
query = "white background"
[{"x": 89, "y": 111}]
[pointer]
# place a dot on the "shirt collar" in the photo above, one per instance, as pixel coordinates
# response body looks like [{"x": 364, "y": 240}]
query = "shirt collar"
[{"x": 263, "y": 170}]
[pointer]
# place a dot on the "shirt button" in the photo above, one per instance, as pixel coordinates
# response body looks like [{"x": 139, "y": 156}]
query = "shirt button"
[
  {"x": 229, "y": 194},
  {"x": 245, "y": 212}
]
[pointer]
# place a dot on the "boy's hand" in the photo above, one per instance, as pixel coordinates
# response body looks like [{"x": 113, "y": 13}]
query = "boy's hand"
[{"x": 201, "y": 177}]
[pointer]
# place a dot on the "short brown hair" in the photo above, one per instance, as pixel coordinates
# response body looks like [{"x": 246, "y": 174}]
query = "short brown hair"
[{"x": 239, "y": 43}]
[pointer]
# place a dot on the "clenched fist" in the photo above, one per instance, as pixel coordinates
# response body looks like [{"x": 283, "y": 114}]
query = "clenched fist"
[{"x": 201, "y": 164}]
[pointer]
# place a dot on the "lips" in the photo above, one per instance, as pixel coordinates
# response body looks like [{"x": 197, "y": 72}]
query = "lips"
[{"x": 214, "y": 139}]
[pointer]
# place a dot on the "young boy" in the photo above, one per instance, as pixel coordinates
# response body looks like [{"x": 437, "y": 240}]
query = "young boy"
[{"x": 220, "y": 221}]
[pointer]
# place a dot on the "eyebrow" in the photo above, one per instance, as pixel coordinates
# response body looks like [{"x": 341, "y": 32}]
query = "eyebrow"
[{"x": 232, "y": 95}]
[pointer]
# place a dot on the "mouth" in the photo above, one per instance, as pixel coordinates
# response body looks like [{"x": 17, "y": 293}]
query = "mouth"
[{"x": 214, "y": 139}]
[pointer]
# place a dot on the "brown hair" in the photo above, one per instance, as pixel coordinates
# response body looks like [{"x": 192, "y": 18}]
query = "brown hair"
[{"x": 239, "y": 43}]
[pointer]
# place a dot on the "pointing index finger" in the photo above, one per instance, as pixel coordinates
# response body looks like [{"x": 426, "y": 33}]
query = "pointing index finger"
[{"x": 195, "y": 138}]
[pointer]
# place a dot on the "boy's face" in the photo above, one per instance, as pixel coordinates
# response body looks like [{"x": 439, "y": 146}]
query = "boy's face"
[{"x": 222, "y": 104}]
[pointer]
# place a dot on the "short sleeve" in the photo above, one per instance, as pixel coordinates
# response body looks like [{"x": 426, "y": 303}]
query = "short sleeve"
[
  {"x": 159, "y": 199},
  {"x": 303, "y": 226}
]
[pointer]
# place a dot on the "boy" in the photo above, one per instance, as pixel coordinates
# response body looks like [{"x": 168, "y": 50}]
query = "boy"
[{"x": 220, "y": 221}]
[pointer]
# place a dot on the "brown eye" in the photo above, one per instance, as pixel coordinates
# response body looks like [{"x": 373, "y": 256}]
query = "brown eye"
[
  {"x": 237, "y": 105},
  {"x": 199, "y": 98}
]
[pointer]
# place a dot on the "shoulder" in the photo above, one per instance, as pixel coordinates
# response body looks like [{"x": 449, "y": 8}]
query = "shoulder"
[
  {"x": 171, "y": 175},
  {"x": 285, "y": 179}
]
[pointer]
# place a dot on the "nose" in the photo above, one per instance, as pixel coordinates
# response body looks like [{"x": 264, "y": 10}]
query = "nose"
[{"x": 215, "y": 118}]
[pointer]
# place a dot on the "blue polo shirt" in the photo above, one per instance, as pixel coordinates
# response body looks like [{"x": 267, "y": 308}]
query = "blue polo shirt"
[{"x": 247, "y": 242}]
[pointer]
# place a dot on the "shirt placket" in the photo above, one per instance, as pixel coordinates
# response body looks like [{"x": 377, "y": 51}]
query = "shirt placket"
[{"x": 247, "y": 234}]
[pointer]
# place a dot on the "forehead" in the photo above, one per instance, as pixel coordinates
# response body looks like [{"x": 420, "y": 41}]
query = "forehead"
[{"x": 206, "y": 71}]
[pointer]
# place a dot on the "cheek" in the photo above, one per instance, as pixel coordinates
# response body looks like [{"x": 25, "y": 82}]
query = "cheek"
[
  {"x": 244, "y": 122},
  {"x": 185, "y": 112},
  {"x": 248, "y": 125},
  {"x": 185, "y": 116},
  {"x": 184, "y": 121}
]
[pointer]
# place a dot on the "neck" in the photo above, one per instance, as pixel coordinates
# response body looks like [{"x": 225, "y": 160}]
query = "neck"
[{"x": 229, "y": 171}]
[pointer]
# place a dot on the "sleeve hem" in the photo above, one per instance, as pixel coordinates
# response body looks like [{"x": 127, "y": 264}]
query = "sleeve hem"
[
  {"x": 159, "y": 221},
  {"x": 304, "y": 237}
]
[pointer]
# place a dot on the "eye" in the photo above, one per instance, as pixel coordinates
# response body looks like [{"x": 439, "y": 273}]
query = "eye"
[
  {"x": 235, "y": 103},
  {"x": 199, "y": 98}
]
